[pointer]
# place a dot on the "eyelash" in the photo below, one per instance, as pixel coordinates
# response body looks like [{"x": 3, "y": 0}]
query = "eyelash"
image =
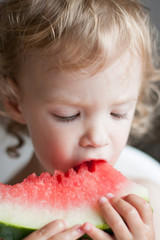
[
  {"x": 119, "y": 116},
  {"x": 66, "y": 119},
  {"x": 73, "y": 117}
]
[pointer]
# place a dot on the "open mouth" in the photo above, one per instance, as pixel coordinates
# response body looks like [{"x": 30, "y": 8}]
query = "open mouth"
[{"x": 89, "y": 164}]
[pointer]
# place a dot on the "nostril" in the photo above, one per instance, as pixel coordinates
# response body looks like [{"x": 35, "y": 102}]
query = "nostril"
[{"x": 94, "y": 138}]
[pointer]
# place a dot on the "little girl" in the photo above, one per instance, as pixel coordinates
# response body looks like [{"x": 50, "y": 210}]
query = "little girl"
[{"x": 75, "y": 73}]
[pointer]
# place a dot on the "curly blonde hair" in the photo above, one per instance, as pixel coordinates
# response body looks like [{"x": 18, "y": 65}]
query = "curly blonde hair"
[{"x": 81, "y": 33}]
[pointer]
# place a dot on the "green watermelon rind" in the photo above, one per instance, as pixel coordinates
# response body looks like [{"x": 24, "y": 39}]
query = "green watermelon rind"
[{"x": 10, "y": 232}]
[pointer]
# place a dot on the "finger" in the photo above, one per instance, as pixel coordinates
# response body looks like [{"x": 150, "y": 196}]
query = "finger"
[
  {"x": 130, "y": 215},
  {"x": 48, "y": 230},
  {"x": 142, "y": 206},
  {"x": 95, "y": 233},
  {"x": 114, "y": 220},
  {"x": 72, "y": 233}
]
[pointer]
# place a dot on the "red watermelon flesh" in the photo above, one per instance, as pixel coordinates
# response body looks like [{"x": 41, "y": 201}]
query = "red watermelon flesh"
[{"x": 72, "y": 196}]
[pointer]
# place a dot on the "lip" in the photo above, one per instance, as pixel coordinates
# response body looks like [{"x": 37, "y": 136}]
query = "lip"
[
  {"x": 92, "y": 159},
  {"x": 88, "y": 162}
]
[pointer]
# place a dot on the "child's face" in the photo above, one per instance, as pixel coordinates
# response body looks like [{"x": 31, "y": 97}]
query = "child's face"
[{"x": 73, "y": 116}]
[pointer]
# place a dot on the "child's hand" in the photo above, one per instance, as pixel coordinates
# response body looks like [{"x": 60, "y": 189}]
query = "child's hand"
[
  {"x": 129, "y": 217},
  {"x": 56, "y": 230}
]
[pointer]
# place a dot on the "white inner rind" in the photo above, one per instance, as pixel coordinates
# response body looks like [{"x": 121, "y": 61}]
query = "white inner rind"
[{"x": 35, "y": 216}]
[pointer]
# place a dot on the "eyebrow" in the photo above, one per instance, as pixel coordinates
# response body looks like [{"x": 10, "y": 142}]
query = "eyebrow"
[
  {"x": 67, "y": 101},
  {"x": 63, "y": 101},
  {"x": 125, "y": 101}
]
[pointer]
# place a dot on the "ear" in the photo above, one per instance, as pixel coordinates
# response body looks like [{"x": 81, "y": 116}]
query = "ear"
[{"x": 12, "y": 101}]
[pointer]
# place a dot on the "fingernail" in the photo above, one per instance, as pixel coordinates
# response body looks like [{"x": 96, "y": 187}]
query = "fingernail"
[
  {"x": 102, "y": 200},
  {"x": 109, "y": 195},
  {"x": 87, "y": 227},
  {"x": 64, "y": 223},
  {"x": 79, "y": 229}
]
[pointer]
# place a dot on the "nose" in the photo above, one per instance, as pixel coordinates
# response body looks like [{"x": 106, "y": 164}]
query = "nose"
[{"x": 95, "y": 135}]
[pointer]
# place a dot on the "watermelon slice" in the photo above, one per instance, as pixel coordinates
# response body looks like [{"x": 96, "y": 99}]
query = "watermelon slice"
[{"x": 72, "y": 196}]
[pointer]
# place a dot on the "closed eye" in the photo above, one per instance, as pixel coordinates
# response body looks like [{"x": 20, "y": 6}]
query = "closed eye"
[
  {"x": 66, "y": 118},
  {"x": 119, "y": 116}
]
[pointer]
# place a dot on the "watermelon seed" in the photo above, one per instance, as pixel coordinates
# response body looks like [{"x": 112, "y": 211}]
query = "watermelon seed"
[
  {"x": 66, "y": 174},
  {"x": 91, "y": 166},
  {"x": 59, "y": 178},
  {"x": 76, "y": 169}
]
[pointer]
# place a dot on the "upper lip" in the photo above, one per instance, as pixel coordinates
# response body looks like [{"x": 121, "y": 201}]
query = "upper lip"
[
  {"x": 89, "y": 160},
  {"x": 89, "y": 164}
]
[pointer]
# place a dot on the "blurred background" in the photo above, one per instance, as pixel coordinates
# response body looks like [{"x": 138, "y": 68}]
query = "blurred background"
[
  {"x": 154, "y": 5},
  {"x": 151, "y": 144}
]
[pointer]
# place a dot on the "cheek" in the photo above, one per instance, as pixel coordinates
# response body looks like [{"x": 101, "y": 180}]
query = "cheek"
[
  {"x": 53, "y": 148},
  {"x": 119, "y": 141},
  {"x": 52, "y": 143}
]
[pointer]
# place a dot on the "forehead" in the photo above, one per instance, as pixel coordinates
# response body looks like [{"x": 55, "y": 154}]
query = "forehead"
[
  {"x": 127, "y": 66},
  {"x": 123, "y": 75},
  {"x": 39, "y": 61}
]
